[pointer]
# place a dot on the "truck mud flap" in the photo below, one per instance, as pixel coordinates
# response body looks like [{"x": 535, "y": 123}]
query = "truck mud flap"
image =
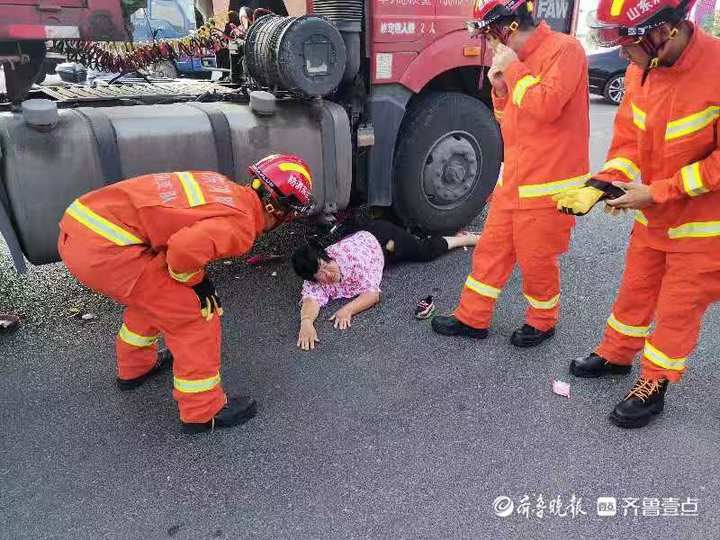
[
  {"x": 336, "y": 156},
  {"x": 387, "y": 110},
  {"x": 329, "y": 159}
]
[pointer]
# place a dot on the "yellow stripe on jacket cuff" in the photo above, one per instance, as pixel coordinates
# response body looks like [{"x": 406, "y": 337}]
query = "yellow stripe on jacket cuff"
[{"x": 183, "y": 277}]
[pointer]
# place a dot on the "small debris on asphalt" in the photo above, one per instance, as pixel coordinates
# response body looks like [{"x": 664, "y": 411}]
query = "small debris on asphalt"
[
  {"x": 8, "y": 322},
  {"x": 561, "y": 388},
  {"x": 274, "y": 274},
  {"x": 227, "y": 263},
  {"x": 88, "y": 317},
  {"x": 260, "y": 259}
]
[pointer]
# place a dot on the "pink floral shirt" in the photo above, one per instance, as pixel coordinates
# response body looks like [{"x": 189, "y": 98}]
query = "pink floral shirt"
[{"x": 361, "y": 263}]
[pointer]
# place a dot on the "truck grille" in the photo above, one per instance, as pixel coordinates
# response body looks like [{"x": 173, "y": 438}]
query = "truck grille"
[{"x": 347, "y": 15}]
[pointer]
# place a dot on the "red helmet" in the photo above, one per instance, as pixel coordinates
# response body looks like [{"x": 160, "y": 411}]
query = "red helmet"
[
  {"x": 486, "y": 12},
  {"x": 624, "y": 22},
  {"x": 285, "y": 181}
]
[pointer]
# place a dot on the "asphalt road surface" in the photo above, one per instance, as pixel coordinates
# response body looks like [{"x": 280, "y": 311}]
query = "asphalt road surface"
[{"x": 386, "y": 430}]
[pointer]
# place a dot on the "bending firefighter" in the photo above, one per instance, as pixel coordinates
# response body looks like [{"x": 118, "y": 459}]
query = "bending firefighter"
[
  {"x": 666, "y": 134},
  {"x": 539, "y": 90},
  {"x": 145, "y": 243}
]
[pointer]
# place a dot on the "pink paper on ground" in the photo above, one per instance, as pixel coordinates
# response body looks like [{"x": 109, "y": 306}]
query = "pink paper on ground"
[{"x": 561, "y": 388}]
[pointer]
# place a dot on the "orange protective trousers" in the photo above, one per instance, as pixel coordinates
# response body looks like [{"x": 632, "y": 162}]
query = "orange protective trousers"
[
  {"x": 674, "y": 288},
  {"x": 157, "y": 304},
  {"x": 535, "y": 239}
]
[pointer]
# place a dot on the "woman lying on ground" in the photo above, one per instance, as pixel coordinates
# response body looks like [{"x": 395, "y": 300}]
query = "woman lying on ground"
[{"x": 353, "y": 268}]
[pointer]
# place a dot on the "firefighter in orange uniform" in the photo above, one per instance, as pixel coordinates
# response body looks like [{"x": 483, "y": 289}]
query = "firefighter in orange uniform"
[
  {"x": 145, "y": 243},
  {"x": 539, "y": 91},
  {"x": 666, "y": 134}
]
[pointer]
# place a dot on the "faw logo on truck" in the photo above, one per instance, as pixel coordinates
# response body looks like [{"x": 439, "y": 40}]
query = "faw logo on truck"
[{"x": 557, "y": 13}]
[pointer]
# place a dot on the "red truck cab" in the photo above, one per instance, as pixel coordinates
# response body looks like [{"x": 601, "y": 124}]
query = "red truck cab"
[{"x": 436, "y": 146}]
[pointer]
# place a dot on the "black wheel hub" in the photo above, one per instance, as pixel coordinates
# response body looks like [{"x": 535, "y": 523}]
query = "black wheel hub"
[{"x": 452, "y": 168}]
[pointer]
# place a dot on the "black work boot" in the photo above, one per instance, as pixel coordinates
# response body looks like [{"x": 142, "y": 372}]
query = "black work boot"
[
  {"x": 236, "y": 412},
  {"x": 647, "y": 398},
  {"x": 529, "y": 336},
  {"x": 450, "y": 326},
  {"x": 164, "y": 360},
  {"x": 594, "y": 366}
]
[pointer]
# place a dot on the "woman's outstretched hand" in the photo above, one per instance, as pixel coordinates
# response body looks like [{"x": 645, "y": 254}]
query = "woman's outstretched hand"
[
  {"x": 307, "y": 338},
  {"x": 342, "y": 318}
]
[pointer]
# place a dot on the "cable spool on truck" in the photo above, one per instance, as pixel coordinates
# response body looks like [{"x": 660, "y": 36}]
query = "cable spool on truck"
[{"x": 382, "y": 99}]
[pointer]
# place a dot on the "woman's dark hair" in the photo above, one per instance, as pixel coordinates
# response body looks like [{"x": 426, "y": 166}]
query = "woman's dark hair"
[{"x": 305, "y": 260}]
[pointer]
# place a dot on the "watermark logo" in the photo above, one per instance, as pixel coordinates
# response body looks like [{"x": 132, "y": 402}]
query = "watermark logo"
[
  {"x": 503, "y": 506},
  {"x": 606, "y": 506},
  {"x": 541, "y": 506}
]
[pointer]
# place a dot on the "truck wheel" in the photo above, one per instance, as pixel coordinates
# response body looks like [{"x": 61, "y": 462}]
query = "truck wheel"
[{"x": 447, "y": 161}]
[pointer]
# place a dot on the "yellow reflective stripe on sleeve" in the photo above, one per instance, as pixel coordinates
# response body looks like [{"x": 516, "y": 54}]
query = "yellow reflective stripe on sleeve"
[
  {"x": 101, "y": 226},
  {"x": 192, "y": 189},
  {"x": 136, "y": 340},
  {"x": 692, "y": 180},
  {"x": 522, "y": 86},
  {"x": 543, "y": 304},
  {"x": 551, "y": 188},
  {"x": 294, "y": 167},
  {"x": 691, "y": 124},
  {"x": 183, "y": 277},
  {"x": 626, "y": 329},
  {"x": 659, "y": 358},
  {"x": 698, "y": 229},
  {"x": 616, "y": 7},
  {"x": 481, "y": 288},
  {"x": 640, "y": 218},
  {"x": 639, "y": 117},
  {"x": 625, "y": 166},
  {"x": 188, "y": 386}
]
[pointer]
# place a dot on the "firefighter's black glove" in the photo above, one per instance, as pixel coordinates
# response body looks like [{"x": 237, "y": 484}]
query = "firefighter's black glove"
[{"x": 209, "y": 299}]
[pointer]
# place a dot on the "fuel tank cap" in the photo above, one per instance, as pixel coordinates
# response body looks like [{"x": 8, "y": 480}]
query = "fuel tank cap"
[
  {"x": 262, "y": 103},
  {"x": 40, "y": 113}
]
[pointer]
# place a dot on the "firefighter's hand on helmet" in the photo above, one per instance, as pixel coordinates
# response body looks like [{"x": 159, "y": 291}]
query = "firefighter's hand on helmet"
[
  {"x": 578, "y": 201},
  {"x": 503, "y": 56},
  {"x": 209, "y": 299}
]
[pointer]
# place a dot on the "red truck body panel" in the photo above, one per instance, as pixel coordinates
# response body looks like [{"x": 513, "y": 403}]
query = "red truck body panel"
[
  {"x": 96, "y": 20},
  {"x": 414, "y": 41}
]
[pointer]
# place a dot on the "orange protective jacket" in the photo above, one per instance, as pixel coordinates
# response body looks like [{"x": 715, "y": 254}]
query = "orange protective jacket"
[
  {"x": 666, "y": 133},
  {"x": 544, "y": 121},
  {"x": 194, "y": 217}
]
